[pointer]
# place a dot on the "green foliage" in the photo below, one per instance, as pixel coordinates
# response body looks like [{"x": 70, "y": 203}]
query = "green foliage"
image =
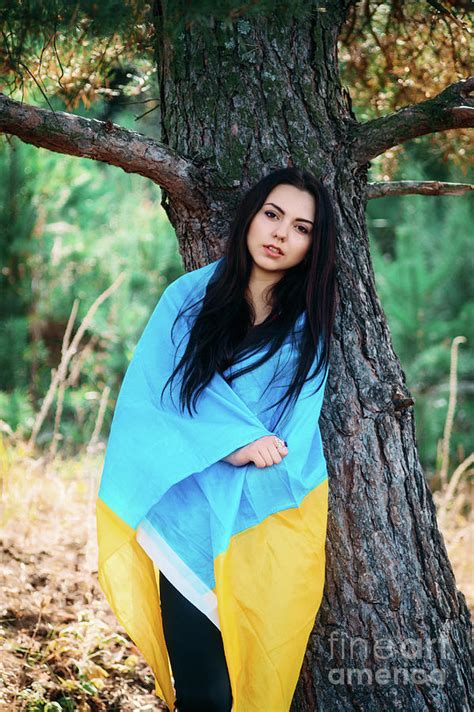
[
  {"x": 87, "y": 223},
  {"x": 16, "y": 407},
  {"x": 13, "y": 345},
  {"x": 423, "y": 260},
  {"x": 38, "y": 19}
]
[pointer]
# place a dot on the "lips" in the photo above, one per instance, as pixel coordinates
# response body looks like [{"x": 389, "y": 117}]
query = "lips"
[{"x": 276, "y": 247}]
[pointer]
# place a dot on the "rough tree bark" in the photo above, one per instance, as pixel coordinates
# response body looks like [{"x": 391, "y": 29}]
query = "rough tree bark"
[
  {"x": 390, "y": 585},
  {"x": 393, "y": 630}
]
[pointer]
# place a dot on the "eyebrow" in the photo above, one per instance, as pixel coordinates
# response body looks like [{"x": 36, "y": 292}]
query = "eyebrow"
[{"x": 283, "y": 213}]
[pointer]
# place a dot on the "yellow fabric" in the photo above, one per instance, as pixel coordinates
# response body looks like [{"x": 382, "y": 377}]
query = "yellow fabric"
[
  {"x": 269, "y": 585},
  {"x": 127, "y": 577}
]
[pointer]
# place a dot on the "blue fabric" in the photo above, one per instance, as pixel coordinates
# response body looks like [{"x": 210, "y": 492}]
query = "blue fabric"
[{"x": 164, "y": 466}]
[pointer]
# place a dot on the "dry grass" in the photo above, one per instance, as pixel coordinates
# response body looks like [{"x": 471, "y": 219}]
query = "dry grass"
[
  {"x": 61, "y": 643},
  {"x": 456, "y": 522},
  {"x": 453, "y": 495}
]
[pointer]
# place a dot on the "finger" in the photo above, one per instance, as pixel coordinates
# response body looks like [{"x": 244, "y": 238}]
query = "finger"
[
  {"x": 265, "y": 455},
  {"x": 269, "y": 455},
  {"x": 259, "y": 460},
  {"x": 283, "y": 451},
  {"x": 279, "y": 444},
  {"x": 256, "y": 457},
  {"x": 238, "y": 459},
  {"x": 277, "y": 456},
  {"x": 274, "y": 453}
]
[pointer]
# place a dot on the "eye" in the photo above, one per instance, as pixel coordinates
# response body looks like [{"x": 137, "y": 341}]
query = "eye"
[{"x": 270, "y": 213}]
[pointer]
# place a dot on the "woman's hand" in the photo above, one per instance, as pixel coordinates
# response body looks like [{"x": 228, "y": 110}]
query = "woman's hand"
[{"x": 263, "y": 452}]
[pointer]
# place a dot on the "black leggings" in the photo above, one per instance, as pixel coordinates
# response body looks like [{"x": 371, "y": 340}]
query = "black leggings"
[{"x": 196, "y": 654}]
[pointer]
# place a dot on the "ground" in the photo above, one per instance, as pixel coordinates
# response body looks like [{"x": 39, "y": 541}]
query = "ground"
[
  {"x": 61, "y": 646},
  {"x": 60, "y": 642}
]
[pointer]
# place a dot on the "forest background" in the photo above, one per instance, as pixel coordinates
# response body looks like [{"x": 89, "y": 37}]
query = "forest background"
[{"x": 70, "y": 228}]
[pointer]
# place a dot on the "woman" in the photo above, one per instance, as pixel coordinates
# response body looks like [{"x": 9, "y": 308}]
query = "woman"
[{"x": 215, "y": 568}]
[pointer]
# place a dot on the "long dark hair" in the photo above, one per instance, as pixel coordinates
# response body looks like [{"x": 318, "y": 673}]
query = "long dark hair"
[{"x": 217, "y": 335}]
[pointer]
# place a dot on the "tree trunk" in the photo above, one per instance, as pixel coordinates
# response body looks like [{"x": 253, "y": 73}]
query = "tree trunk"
[{"x": 392, "y": 631}]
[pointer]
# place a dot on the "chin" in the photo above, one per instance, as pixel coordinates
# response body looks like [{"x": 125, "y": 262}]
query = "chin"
[{"x": 264, "y": 264}]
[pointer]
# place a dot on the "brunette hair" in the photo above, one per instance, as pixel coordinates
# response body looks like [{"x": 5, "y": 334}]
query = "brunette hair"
[{"x": 226, "y": 316}]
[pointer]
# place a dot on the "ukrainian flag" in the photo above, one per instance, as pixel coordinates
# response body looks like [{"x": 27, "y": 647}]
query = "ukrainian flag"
[{"x": 246, "y": 545}]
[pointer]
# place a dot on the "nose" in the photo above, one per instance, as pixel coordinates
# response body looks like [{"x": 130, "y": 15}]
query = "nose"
[{"x": 279, "y": 236}]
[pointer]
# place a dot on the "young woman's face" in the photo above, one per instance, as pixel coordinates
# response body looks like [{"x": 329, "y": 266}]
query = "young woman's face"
[{"x": 286, "y": 219}]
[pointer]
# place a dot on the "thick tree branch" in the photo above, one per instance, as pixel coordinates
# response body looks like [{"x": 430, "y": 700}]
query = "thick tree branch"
[
  {"x": 102, "y": 141},
  {"x": 453, "y": 108},
  {"x": 416, "y": 187}
]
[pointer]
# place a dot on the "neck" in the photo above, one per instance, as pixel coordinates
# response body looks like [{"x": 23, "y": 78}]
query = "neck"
[
  {"x": 257, "y": 292},
  {"x": 261, "y": 280}
]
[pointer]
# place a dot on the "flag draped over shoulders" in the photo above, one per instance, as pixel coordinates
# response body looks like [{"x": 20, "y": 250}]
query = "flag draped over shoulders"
[{"x": 246, "y": 545}]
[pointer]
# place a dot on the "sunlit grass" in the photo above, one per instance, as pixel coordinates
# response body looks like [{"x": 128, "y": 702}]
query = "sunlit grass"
[{"x": 61, "y": 644}]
